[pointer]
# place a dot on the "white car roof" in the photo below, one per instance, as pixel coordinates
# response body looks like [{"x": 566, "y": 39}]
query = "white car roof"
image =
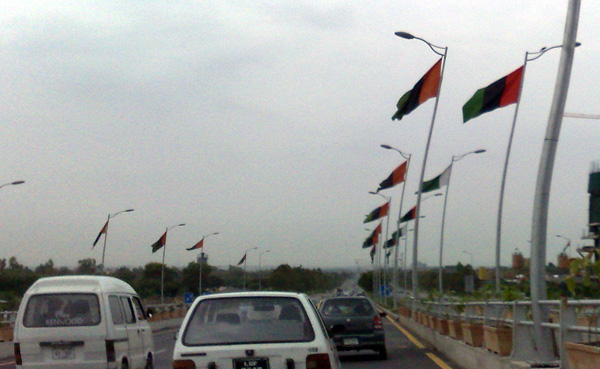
[
  {"x": 254, "y": 294},
  {"x": 80, "y": 283}
]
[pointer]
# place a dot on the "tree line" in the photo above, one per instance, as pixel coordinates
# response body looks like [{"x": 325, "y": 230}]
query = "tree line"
[{"x": 16, "y": 278}]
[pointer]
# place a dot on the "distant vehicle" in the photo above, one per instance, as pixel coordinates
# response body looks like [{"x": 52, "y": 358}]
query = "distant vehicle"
[
  {"x": 354, "y": 324},
  {"x": 82, "y": 322},
  {"x": 254, "y": 330}
]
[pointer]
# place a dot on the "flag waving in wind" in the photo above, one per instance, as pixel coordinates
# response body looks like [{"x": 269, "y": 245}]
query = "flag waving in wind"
[
  {"x": 410, "y": 215},
  {"x": 379, "y": 212},
  {"x": 242, "y": 260},
  {"x": 437, "y": 182},
  {"x": 398, "y": 176},
  {"x": 373, "y": 238},
  {"x": 197, "y": 246},
  {"x": 372, "y": 253},
  {"x": 102, "y": 231},
  {"x": 501, "y": 93},
  {"x": 162, "y": 241},
  {"x": 426, "y": 88}
]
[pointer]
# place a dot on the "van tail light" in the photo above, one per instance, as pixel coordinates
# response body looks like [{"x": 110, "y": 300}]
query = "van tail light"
[
  {"x": 111, "y": 357},
  {"x": 184, "y": 364},
  {"x": 377, "y": 322},
  {"x": 18, "y": 358},
  {"x": 318, "y": 361}
]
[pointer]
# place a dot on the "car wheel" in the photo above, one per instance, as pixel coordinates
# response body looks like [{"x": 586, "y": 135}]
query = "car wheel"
[
  {"x": 382, "y": 353},
  {"x": 149, "y": 362}
]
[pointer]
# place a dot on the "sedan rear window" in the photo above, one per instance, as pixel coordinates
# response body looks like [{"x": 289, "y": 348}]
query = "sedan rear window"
[
  {"x": 62, "y": 310},
  {"x": 347, "y": 307},
  {"x": 236, "y": 320}
]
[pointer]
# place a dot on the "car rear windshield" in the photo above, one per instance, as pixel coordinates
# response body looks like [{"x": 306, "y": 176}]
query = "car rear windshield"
[
  {"x": 347, "y": 307},
  {"x": 62, "y": 310},
  {"x": 237, "y": 320}
]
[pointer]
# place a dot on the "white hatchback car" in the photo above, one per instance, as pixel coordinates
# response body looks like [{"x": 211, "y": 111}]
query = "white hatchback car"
[{"x": 254, "y": 330}]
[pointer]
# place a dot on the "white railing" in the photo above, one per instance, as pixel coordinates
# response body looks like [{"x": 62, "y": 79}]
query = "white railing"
[{"x": 568, "y": 321}]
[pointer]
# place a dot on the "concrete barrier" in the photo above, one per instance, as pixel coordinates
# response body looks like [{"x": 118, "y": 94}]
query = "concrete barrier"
[
  {"x": 7, "y": 351},
  {"x": 466, "y": 356}
]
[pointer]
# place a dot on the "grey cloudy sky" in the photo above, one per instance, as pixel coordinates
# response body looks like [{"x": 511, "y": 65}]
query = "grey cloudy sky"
[{"x": 262, "y": 120}]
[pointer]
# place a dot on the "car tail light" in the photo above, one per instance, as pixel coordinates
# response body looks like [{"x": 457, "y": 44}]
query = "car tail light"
[
  {"x": 377, "y": 322},
  {"x": 318, "y": 361},
  {"x": 184, "y": 364},
  {"x": 18, "y": 358},
  {"x": 111, "y": 357}
]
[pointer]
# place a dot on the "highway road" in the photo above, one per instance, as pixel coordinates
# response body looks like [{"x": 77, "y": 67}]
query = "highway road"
[{"x": 404, "y": 351}]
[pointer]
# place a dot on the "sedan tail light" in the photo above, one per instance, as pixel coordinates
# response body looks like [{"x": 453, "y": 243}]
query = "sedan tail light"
[
  {"x": 318, "y": 361},
  {"x": 377, "y": 322},
  {"x": 184, "y": 364}
]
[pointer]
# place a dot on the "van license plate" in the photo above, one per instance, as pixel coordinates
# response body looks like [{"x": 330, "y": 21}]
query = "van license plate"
[
  {"x": 350, "y": 341},
  {"x": 251, "y": 363},
  {"x": 63, "y": 353}
]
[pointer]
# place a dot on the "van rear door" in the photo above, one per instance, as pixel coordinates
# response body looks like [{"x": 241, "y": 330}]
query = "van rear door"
[{"x": 62, "y": 330}]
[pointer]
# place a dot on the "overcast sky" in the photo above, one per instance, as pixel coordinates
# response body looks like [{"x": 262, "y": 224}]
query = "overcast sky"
[{"x": 262, "y": 120}]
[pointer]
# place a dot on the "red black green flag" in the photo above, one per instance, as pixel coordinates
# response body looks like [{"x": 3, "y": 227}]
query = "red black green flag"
[
  {"x": 379, "y": 212},
  {"x": 102, "y": 231},
  {"x": 392, "y": 241},
  {"x": 398, "y": 176},
  {"x": 197, "y": 246},
  {"x": 373, "y": 237},
  {"x": 372, "y": 253},
  {"x": 242, "y": 260},
  {"x": 426, "y": 88},
  {"x": 501, "y": 93},
  {"x": 410, "y": 215},
  {"x": 162, "y": 241}
]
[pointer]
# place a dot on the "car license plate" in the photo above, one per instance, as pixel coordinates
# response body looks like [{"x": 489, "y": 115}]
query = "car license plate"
[
  {"x": 251, "y": 363},
  {"x": 350, "y": 341},
  {"x": 63, "y": 353}
]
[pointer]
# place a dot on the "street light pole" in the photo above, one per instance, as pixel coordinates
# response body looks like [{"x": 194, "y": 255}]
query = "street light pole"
[
  {"x": 201, "y": 262},
  {"x": 395, "y": 272},
  {"x": 404, "y": 269},
  {"x": 162, "y": 269},
  {"x": 246, "y": 262},
  {"x": 106, "y": 233},
  {"x": 442, "y": 51},
  {"x": 471, "y": 254},
  {"x": 259, "y": 269},
  {"x": 455, "y": 158},
  {"x": 528, "y": 57},
  {"x": 382, "y": 248}
]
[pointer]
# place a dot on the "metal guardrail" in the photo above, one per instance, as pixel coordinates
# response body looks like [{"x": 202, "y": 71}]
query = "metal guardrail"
[{"x": 568, "y": 321}]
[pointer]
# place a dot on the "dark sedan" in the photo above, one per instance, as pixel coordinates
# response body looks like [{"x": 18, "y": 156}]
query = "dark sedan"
[{"x": 354, "y": 324}]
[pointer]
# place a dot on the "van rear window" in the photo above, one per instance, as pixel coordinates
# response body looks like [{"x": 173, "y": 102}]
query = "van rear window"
[{"x": 62, "y": 310}]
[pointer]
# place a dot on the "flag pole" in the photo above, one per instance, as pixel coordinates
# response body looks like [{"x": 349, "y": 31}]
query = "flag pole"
[
  {"x": 104, "y": 246},
  {"x": 162, "y": 272},
  {"x": 443, "y": 54},
  {"x": 397, "y": 240},
  {"x": 455, "y": 158}
]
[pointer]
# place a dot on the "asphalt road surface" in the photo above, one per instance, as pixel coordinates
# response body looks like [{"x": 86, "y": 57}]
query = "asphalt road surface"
[{"x": 404, "y": 351}]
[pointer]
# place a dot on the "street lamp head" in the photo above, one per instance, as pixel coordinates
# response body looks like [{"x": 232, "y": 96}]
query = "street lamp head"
[
  {"x": 387, "y": 147},
  {"x": 480, "y": 151},
  {"x": 17, "y": 182},
  {"x": 404, "y": 35},
  {"x": 128, "y": 210}
]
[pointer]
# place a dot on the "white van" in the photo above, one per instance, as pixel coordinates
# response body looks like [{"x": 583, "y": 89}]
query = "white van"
[{"x": 82, "y": 322}]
